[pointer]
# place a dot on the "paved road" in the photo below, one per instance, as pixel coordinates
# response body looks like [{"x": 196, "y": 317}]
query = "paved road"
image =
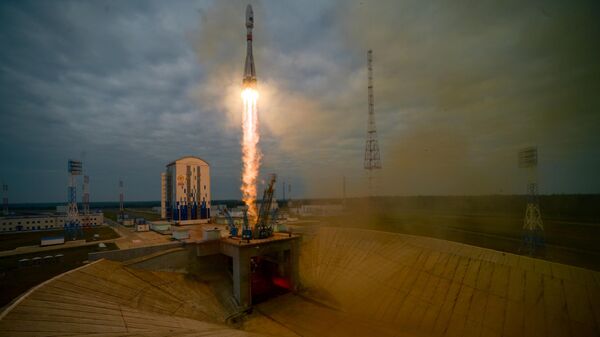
[
  {"x": 131, "y": 239},
  {"x": 35, "y": 249},
  {"x": 67, "y": 244}
]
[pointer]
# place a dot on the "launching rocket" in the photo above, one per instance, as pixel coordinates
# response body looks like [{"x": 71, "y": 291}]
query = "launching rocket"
[{"x": 249, "y": 72}]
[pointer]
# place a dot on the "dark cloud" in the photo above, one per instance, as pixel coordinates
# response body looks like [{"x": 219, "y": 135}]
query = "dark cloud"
[
  {"x": 112, "y": 79},
  {"x": 459, "y": 88}
]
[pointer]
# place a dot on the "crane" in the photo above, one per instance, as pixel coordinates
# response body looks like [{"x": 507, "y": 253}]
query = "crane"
[
  {"x": 246, "y": 231},
  {"x": 264, "y": 228},
  {"x": 233, "y": 230}
]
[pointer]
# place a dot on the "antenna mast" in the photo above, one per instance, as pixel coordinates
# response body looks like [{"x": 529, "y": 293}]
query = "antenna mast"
[
  {"x": 372, "y": 156},
  {"x": 121, "y": 199},
  {"x": 5, "y": 199},
  {"x": 86, "y": 200}
]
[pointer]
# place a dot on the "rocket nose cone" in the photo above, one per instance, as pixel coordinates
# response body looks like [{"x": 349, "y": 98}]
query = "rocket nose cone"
[{"x": 249, "y": 17}]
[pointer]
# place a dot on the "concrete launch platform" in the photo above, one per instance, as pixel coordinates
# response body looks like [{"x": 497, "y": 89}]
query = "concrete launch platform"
[
  {"x": 352, "y": 282},
  {"x": 280, "y": 250}
]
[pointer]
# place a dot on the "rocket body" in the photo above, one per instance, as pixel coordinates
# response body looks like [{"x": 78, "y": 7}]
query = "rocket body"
[{"x": 249, "y": 80}]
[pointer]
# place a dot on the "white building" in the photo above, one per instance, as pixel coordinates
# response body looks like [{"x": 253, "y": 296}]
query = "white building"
[
  {"x": 142, "y": 227},
  {"x": 162, "y": 227},
  {"x": 180, "y": 234},
  {"x": 185, "y": 191},
  {"x": 45, "y": 222}
]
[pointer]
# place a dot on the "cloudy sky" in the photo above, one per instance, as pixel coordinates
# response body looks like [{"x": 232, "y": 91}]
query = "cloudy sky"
[{"x": 460, "y": 87}]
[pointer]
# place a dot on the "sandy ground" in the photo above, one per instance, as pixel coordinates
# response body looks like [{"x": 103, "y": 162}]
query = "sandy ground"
[{"x": 356, "y": 283}]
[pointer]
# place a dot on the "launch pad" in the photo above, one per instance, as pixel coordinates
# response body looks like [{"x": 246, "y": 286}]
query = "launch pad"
[
  {"x": 262, "y": 268},
  {"x": 354, "y": 283}
]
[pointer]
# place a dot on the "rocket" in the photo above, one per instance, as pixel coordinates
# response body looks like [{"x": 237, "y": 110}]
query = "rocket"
[{"x": 249, "y": 71}]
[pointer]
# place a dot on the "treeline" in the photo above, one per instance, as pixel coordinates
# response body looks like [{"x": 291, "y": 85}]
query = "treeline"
[{"x": 579, "y": 207}]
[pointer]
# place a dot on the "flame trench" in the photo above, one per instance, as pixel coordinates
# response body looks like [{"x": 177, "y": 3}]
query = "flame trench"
[{"x": 250, "y": 152}]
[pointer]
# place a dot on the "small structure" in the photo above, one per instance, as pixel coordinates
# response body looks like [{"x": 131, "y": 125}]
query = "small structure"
[
  {"x": 211, "y": 234},
  {"x": 180, "y": 234},
  {"x": 161, "y": 227},
  {"x": 280, "y": 227},
  {"x": 141, "y": 225},
  {"x": 52, "y": 240}
]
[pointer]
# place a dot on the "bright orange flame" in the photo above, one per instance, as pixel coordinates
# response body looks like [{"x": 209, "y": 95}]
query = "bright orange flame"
[{"x": 250, "y": 152}]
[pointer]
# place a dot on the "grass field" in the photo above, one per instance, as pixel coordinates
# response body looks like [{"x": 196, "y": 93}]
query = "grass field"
[
  {"x": 15, "y": 280},
  {"x": 14, "y": 240},
  {"x": 110, "y": 214}
]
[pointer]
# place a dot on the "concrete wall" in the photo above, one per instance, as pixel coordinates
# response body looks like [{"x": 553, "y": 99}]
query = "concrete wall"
[
  {"x": 198, "y": 259},
  {"x": 180, "y": 260}
]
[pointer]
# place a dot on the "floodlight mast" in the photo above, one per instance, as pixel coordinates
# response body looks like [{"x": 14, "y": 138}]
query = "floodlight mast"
[
  {"x": 4, "y": 199},
  {"x": 73, "y": 225},
  {"x": 533, "y": 227},
  {"x": 121, "y": 200}
]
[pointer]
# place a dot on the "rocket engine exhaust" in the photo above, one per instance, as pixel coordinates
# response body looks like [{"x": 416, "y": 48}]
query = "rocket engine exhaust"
[{"x": 250, "y": 152}]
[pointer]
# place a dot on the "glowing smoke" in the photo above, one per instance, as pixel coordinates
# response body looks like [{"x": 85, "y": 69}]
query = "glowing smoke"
[{"x": 250, "y": 153}]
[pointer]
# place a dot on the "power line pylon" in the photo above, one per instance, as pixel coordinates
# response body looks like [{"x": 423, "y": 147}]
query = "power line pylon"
[
  {"x": 533, "y": 227},
  {"x": 121, "y": 199},
  {"x": 5, "y": 199},
  {"x": 372, "y": 155},
  {"x": 86, "y": 200}
]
